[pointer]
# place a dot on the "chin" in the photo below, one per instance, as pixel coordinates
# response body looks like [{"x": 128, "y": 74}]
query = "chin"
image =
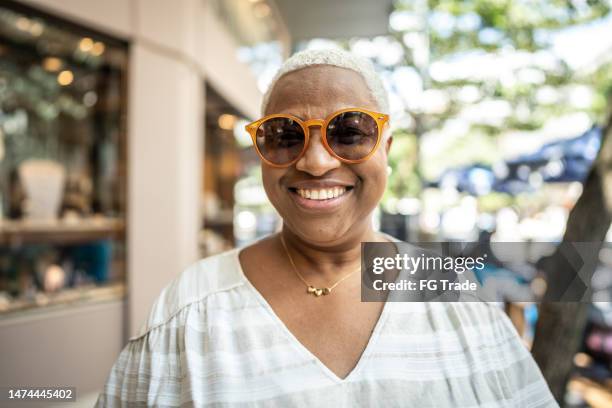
[
  {"x": 326, "y": 230},
  {"x": 318, "y": 231}
]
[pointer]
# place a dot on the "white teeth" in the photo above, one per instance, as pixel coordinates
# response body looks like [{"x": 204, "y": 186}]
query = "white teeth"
[{"x": 322, "y": 194}]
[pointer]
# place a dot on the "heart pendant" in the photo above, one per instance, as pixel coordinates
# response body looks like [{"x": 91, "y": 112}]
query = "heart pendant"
[{"x": 318, "y": 291}]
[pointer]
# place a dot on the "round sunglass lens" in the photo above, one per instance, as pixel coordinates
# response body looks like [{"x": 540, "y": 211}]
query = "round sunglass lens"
[
  {"x": 280, "y": 140},
  {"x": 352, "y": 135}
]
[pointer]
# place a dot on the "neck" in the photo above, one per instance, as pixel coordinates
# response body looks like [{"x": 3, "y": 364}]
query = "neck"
[{"x": 332, "y": 260}]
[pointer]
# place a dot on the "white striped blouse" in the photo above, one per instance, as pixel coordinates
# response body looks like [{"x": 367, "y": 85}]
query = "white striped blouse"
[{"x": 212, "y": 340}]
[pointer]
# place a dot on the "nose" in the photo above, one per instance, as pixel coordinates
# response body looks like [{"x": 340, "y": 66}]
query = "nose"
[{"x": 316, "y": 159}]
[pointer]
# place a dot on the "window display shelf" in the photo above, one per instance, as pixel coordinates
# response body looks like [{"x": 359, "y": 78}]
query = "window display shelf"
[
  {"x": 61, "y": 231},
  {"x": 65, "y": 298}
]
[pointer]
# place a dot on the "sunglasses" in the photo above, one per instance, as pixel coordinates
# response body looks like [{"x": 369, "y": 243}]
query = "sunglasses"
[{"x": 351, "y": 135}]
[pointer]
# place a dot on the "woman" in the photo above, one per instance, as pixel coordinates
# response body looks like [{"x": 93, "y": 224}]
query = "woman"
[{"x": 280, "y": 323}]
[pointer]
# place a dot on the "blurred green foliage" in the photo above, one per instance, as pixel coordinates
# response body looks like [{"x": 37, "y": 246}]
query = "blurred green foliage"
[{"x": 451, "y": 29}]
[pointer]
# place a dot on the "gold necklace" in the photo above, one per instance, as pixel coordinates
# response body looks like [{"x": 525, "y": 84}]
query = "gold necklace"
[{"x": 312, "y": 289}]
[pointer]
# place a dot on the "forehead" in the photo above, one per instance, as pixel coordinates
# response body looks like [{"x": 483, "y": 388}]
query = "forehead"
[{"x": 319, "y": 90}]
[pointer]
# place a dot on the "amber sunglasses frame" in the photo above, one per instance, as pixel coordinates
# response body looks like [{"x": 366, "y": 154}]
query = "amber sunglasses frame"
[{"x": 381, "y": 120}]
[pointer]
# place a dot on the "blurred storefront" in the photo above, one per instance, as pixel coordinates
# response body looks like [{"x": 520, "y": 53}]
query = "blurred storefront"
[
  {"x": 113, "y": 167},
  {"x": 234, "y": 205}
]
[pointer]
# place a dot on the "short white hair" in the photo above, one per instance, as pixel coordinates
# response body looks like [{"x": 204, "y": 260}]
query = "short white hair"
[{"x": 337, "y": 58}]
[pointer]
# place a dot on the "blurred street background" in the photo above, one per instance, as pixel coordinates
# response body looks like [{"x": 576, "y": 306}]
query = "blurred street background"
[{"x": 124, "y": 159}]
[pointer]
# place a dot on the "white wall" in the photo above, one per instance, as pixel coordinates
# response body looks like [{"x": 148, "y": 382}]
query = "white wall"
[
  {"x": 174, "y": 46},
  {"x": 165, "y": 157},
  {"x": 75, "y": 347}
]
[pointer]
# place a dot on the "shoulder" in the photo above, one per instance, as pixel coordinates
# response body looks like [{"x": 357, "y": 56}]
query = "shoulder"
[
  {"x": 195, "y": 283},
  {"x": 155, "y": 357},
  {"x": 485, "y": 319},
  {"x": 455, "y": 316},
  {"x": 485, "y": 333},
  {"x": 466, "y": 327}
]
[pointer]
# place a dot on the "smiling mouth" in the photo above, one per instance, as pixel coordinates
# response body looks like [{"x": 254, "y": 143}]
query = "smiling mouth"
[{"x": 321, "y": 194}]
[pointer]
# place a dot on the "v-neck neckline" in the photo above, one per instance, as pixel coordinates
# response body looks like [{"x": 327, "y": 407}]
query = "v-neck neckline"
[{"x": 300, "y": 346}]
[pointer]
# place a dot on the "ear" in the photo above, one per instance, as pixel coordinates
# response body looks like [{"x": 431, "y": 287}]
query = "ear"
[{"x": 388, "y": 143}]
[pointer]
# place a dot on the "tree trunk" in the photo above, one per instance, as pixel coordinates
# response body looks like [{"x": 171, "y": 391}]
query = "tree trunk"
[{"x": 560, "y": 325}]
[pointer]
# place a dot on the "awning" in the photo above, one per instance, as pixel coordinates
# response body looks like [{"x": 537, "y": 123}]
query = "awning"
[{"x": 561, "y": 161}]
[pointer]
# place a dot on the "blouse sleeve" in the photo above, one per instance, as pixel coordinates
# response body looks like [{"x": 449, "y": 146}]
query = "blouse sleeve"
[
  {"x": 520, "y": 375},
  {"x": 147, "y": 371}
]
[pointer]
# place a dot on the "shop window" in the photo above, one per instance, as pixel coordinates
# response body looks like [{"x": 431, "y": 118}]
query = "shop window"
[
  {"x": 62, "y": 162},
  {"x": 235, "y": 210}
]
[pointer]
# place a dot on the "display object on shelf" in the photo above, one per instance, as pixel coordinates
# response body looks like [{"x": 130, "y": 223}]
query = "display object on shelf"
[{"x": 44, "y": 184}]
